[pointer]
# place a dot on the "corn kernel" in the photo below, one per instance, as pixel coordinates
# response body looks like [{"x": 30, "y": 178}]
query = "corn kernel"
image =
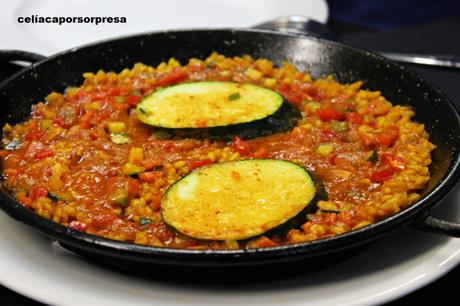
[
  {"x": 312, "y": 106},
  {"x": 45, "y": 124},
  {"x": 324, "y": 149},
  {"x": 116, "y": 127},
  {"x": 130, "y": 169},
  {"x": 269, "y": 82},
  {"x": 136, "y": 155},
  {"x": 253, "y": 74}
]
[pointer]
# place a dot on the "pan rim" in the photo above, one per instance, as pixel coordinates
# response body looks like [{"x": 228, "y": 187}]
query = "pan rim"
[{"x": 355, "y": 237}]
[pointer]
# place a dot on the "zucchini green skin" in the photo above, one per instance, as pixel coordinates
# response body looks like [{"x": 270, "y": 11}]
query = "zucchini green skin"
[
  {"x": 283, "y": 120},
  {"x": 202, "y": 214}
]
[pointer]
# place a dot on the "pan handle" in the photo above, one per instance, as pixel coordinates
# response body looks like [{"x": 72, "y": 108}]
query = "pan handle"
[
  {"x": 12, "y": 61},
  {"x": 14, "y": 56},
  {"x": 431, "y": 224}
]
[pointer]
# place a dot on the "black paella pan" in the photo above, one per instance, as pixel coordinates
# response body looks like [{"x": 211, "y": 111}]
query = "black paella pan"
[{"x": 319, "y": 57}]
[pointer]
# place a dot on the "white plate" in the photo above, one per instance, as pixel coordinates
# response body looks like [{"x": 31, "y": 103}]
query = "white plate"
[
  {"x": 393, "y": 267},
  {"x": 142, "y": 16}
]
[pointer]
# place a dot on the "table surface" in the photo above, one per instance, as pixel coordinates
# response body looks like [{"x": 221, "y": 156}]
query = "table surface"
[{"x": 437, "y": 38}]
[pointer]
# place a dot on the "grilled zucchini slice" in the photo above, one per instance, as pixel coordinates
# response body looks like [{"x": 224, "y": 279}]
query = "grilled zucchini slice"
[
  {"x": 237, "y": 200},
  {"x": 208, "y": 104}
]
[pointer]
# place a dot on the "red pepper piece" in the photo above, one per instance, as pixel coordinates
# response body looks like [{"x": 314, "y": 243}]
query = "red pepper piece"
[
  {"x": 43, "y": 154},
  {"x": 114, "y": 91},
  {"x": 354, "y": 118},
  {"x": 382, "y": 175},
  {"x": 193, "y": 164},
  {"x": 103, "y": 115},
  {"x": 156, "y": 203},
  {"x": 37, "y": 192},
  {"x": 240, "y": 146},
  {"x": 328, "y": 114},
  {"x": 34, "y": 135},
  {"x": 389, "y": 137},
  {"x": 333, "y": 159},
  {"x": 98, "y": 96},
  {"x": 85, "y": 124},
  {"x": 171, "y": 78},
  {"x": 92, "y": 136},
  {"x": 294, "y": 97},
  {"x": 150, "y": 176},
  {"x": 26, "y": 201},
  {"x": 133, "y": 100},
  {"x": 395, "y": 162},
  {"x": 263, "y": 242},
  {"x": 62, "y": 122},
  {"x": 133, "y": 187}
]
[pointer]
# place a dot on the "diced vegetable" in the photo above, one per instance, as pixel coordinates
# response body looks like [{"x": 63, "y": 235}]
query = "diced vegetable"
[
  {"x": 131, "y": 169},
  {"x": 328, "y": 114},
  {"x": 116, "y": 127},
  {"x": 120, "y": 99},
  {"x": 312, "y": 106},
  {"x": 55, "y": 183},
  {"x": 382, "y": 175},
  {"x": 353, "y": 117},
  {"x": 262, "y": 242},
  {"x": 133, "y": 100},
  {"x": 46, "y": 124},
  {"x": 374, "y": 157},
  {"x": 120, "y": 197},
  {"x": 34, "y": 135},
  {"x": 43, "y": 154},
  {"x": 388, "y": 137},
  {"x": 120, "y": 138},
  {"x": 133, "y": 187},
  {"x": 324, "y": 149},
  {"x": 253, "y": 74},
  {"x": 269, "y": 82},
  {"x": 136, "y": 155},
  {"x": 395, "y": 162},
  {"x": 225, "y": 73},
  {"x": 240, "y": 146},
  {"x": 38, "y": 192},
  {"x": 193, "y": 164},
  {"x": 144, "y": 221},
  {"x": 150, "y": 176},
  {"x": 209, "y": 203},
  {"x": 339, "y": 126},
  {"x": 171, "y": 78}
]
